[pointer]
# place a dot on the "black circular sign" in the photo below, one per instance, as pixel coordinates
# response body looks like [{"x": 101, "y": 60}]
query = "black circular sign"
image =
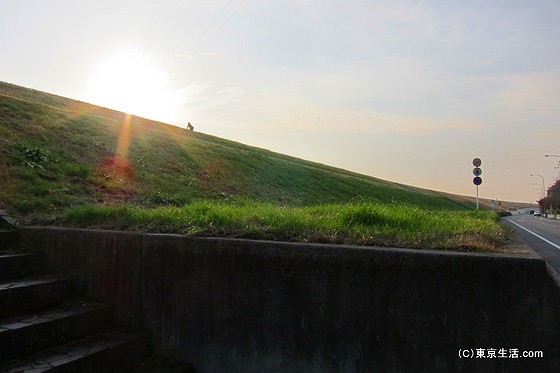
[
  {"x": 477, "y": 171},
  {"x": 477, "y": 180},
  {"x": 476, "y": 162}
]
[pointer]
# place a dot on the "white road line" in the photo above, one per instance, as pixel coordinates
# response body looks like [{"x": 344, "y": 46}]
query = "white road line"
[{"x": 534, "y": 234}]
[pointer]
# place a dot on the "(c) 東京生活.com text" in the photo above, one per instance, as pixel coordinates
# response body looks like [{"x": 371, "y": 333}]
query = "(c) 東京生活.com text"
[{"x": 498, "y": 353}]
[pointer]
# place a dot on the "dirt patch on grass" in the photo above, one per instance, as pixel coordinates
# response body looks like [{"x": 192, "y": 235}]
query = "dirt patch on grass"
[{"x": 117, "y": 181}]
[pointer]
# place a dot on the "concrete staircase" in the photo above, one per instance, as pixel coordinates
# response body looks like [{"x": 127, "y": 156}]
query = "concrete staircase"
[{"x": 45, "y": 328}]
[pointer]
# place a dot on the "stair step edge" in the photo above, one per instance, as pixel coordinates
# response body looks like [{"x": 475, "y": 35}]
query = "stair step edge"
[
  {"x": 28, "y": 295},
  {"x": 80, "y": 353},
  {"x": 18, "y": 265},
  {"x": 28, "y": 282},
  {"x": 68, "y": 309},
  {"x": 26, "y": 334}
]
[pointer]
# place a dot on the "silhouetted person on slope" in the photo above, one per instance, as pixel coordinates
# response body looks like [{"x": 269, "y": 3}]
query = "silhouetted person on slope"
[{"x": 190, "y": 127}]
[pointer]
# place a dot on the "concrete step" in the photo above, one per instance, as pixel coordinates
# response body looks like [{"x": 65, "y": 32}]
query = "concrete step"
[
  {"x": 159, "y": 364},
  {"x": 36, "y": 331},
  {"x": 18, "y": 297},
  {"x": 18, "y": 265},
  {"x": 8, "y": 240},
  {"x": 112, "y": 352}
]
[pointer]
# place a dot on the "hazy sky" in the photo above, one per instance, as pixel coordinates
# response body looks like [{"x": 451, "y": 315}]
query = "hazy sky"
[{"x": 409, "y": 91}]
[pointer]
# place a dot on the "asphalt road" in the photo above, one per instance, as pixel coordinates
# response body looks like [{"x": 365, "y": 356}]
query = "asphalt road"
[{"x": 542, "y": 234}]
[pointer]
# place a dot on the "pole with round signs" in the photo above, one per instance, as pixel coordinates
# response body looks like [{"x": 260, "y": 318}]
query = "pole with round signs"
[{"x": 477, "y": 171}]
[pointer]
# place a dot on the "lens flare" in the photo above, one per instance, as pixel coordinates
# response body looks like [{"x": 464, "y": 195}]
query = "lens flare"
[{"x": 124, "y": 138}]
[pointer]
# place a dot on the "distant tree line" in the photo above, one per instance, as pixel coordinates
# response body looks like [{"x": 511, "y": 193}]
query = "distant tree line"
[{"x": 551, "y": 203}]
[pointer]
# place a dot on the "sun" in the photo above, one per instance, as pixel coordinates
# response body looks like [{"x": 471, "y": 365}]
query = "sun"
[{"x": 128, "y": 83}]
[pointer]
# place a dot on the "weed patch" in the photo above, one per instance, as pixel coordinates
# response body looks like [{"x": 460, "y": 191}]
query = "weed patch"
[{"x": 367, "y": 223}]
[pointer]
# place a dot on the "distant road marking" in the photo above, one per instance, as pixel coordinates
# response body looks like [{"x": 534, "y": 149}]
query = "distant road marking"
[
  {"x": 534, "y": 234},
  {"x": 550, "y": 223}
]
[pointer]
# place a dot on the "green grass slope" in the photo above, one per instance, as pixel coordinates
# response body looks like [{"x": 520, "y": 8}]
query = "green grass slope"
[
  {"x": 72, "y": 163},
  {"x": 56, "y": 152}
]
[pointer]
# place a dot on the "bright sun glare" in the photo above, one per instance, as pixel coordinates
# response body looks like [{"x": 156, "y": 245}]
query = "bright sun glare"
[{"x": 128, "y": 83}]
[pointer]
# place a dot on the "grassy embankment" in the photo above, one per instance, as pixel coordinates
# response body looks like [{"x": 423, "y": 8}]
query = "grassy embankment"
[
  {"x": 365, "y": 223},
  {"x": 62, "y": 163}
]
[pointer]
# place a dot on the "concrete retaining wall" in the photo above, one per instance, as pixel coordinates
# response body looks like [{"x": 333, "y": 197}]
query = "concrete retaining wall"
[{"x": 254, "y": 306}]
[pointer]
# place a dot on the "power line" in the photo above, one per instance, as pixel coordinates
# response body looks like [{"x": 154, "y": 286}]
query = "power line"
[
  {"x": 195, "y": 19},
  {"x": 171, "y": 32},
  {"x": 196, "y": 39},
  {"x": 152, "y": 28},
  {"x": 208, "y": 40},
  {"x": 161, "y": 26},
  {"x": 163, "y": 18}
]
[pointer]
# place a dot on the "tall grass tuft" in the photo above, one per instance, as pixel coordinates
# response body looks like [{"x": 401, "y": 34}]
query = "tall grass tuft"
[{"x": 360, "y": 223}]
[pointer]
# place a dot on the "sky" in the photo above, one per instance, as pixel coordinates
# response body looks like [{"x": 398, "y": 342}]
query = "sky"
[{"x": 407, "y": 91}]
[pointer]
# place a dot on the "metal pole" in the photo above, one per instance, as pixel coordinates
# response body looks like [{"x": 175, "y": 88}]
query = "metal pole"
[
  {"x": 542, "y": 177},
  {"x": 477, "y": 197}
]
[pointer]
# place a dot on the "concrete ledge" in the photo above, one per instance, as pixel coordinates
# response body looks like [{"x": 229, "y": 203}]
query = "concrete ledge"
[
  {"x": 259, "y": 306},
  {"x": 104, "y": 265}
]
